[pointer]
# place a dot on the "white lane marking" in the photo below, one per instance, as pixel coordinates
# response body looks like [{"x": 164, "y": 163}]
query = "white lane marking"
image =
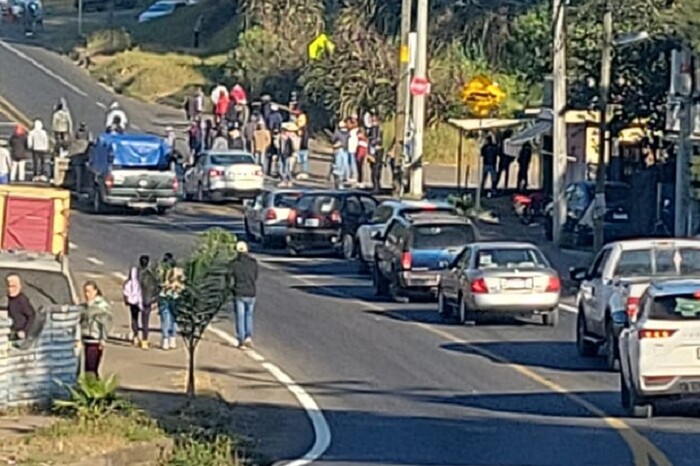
[
  {"x": 322, "y": 432},
  {"x": 315, "y": 277},
  {"x": 119, "y": 275},
  {"x": 72, "y": 246},
  {"x": 41, "y": 67},
  {"x": 101, "y": 105},
  {"x": 568, "y": 308},
  {"x": 296, "y": 260},
  {"x": 94, "y": 260}
]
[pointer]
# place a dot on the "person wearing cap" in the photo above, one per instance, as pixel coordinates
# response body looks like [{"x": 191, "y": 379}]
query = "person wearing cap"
[
  {"x": 274, "y": 119},
  {"x": 244, "y": 271},
  {"x": 5, "y": 162},
  {"x": 18, "y": 152}
]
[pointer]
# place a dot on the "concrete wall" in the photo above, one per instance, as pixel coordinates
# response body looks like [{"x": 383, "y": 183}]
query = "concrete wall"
[{"x": 28, "y": 377}]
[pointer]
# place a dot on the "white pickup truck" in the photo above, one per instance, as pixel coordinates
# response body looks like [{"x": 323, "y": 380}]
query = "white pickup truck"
[{"x": 617, "y": 278}]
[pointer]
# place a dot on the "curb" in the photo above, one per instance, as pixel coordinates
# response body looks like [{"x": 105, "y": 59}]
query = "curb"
[{"x": 141, "y": 453}]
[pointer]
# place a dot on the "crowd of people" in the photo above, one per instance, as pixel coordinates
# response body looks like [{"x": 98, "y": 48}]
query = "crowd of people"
[{"x": 496, "y": 164}]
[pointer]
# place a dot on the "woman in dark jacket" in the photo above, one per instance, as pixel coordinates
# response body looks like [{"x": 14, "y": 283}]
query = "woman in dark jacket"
[
  {"x": 18, "y": 153},
  {"x": 148, "y": 281}
]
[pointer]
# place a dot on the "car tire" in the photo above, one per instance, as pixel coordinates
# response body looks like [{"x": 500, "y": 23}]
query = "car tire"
[
  {"x": 347, "y": 250},
  {"x": 162, "y": 210},
  {"x": 264, "y": 239},
  {"x": 201, "y": 197},
  {"x": 585, "y": 348},
  {"x": 466, "y": 316},
  {"x": 612, "y": 354},
  {"x": 97, "y": 204},
  {"x": 634, "y": 405},
  {"x": 380, "y": 284},
  {"x": 551, "y": 318},
  {"x": 442, "y": 306},
  {"x": 248, "y": 233}
]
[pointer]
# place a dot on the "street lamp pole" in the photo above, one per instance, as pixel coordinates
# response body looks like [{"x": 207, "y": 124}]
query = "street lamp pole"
[
  {"x": 402, "y": 94},
  {"x": 419, "y": 100},
  {"x": 559, "y": 146},
  {"x": 605, "y": 75}
]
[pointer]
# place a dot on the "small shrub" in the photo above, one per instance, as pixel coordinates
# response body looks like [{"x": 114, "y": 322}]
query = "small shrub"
[
  {"x": 203, "y": 447},
  {"x": 92, "y": 399},
  {"x": 108, "y": 42}
]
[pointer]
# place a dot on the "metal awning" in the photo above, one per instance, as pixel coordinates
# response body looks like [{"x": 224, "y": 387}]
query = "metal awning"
[
  {"x": 484, "y": 124},
  {"x": 538, "y": 129}
]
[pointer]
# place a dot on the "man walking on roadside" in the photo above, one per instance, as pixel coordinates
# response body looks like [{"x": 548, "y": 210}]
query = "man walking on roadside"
[
  {"x": 244, "y": 271},
  {"x": 38, "y": 143}
]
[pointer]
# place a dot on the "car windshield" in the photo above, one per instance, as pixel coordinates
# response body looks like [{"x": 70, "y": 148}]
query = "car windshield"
[
  {"x": 161, "y": 7},
  {"x": 510, "y": 258},
  {"x": 41, "y": 287},
  {"x": 321, "y": 204},
  {"x": 286, "y": 200},
  {"x": 231, "y": 159},
  {"x": 659, "y": 261},
  {"x": 442, "y": 236},
  {"x": 679, "y": 307}
]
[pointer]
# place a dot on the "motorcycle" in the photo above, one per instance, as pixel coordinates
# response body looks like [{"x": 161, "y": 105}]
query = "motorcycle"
[{"x": 530, "y": 207}]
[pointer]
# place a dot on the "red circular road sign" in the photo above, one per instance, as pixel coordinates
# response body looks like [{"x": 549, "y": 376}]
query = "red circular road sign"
[{"x": 419, "y": 86}]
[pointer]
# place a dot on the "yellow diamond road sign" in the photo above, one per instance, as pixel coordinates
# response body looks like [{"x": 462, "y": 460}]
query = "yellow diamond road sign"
[
  {"x": 482, "y": 95},
  {"x": 322, "y": 43}
]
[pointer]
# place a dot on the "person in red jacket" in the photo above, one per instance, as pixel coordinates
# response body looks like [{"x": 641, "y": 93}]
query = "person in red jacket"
[
  {"x": 221, "y": 107},
  {"x": 361, "y": 154}
]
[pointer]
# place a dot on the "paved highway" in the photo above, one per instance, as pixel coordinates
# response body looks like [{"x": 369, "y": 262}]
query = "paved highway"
[{"x": 397, "y": 386}]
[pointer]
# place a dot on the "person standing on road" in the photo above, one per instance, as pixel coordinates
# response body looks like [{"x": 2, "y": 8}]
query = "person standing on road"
[
  {"x": 171, "y": 284},
  {"x": 339, "y": 166},
  {"x": 141, "y": 294},
  {"x": 303, "y": 126},
  {"x": 489, "y": 157},
  {"x": 18, "y": 151},
  {"x": 95, "y": 321},
  {"x": 376, "y": 153},
  {"x": 524, "y": 158},
  {"x": 197, "y": 30},
  {"x": 220, "y": 142},
  {"x": 116, "y": 117},
  {"x": 286, "y": 152},
  {"x": 244, "y": 271},
  {"x": 261, "y": 146},
  {"x": 38, "y": 143},
  {"x": 5, "y": 163},
  {"x": 61, "y": 124}
]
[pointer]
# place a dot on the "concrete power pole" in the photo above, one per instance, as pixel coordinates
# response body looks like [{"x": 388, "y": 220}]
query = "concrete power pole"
[
  {"x": 682, "y": 226},
  {"x": 605, "y": 75},
  {"x": 402, "y": 94},
  {"x": 419, "y": 100},
  {"x": 559, "y": 147}
]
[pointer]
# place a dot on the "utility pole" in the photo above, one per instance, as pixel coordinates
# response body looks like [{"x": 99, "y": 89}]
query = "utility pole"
[
  {"x": 419, "y": 101},
  {"x": 682, "y": 206},
  {"x": 80, "y": 18},
  {"x": 604, "y": 87},
  {"x": 559, "y": 147},
  {"x": 402, "y": 94}
]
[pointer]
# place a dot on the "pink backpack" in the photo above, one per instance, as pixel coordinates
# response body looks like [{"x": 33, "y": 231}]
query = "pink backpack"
[{"x": 131, "y": 290}]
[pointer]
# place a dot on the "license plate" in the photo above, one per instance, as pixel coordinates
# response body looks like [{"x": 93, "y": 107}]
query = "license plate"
[
  {"x": 518, "y": 284},
  {"x": 620, "y": 217},
  {"x": 311, "y": 222}
]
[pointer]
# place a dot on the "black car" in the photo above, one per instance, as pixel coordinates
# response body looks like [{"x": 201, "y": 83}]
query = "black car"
[
  {"x": 578, "y": 227},
  {"x": 416, "y": 251},
  {"x": 328, "y": 221}
]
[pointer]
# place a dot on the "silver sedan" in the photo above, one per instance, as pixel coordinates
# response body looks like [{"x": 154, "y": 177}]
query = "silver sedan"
[{"x": 500, "y": 278}]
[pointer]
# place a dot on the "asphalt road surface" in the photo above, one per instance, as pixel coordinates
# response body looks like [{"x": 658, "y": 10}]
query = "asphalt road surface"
[{"x": 397, "y": 386}]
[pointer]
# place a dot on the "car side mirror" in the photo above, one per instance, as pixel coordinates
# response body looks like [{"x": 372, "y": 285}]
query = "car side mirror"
[
  {"x": 248, "y": 203},
  {"x": 578, "y": 274},
  {"x": 377, "y": 235},
  {"x": 621, "y": 319}
]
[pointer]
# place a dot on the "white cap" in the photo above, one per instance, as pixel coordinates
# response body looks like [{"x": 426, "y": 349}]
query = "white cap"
[{"x": 242, "y": 247}]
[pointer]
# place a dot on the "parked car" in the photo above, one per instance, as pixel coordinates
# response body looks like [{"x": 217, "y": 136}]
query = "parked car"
[
  {"x": 163, "y": 8},
  {"x": 265, "y": 217},
  {"x": 579, "y": 206},
  {"x": 224, "y": 175},
  {"x": 414, "y": 252},
  {"x": 616, "y": 280},
  {"x": 659, "y": 352},
  {"x": 328, "y": 220},
  {"x": 500, "y": 278},
  {"x": 387, "y": 211},
  {"x": 102, "y": 5}
]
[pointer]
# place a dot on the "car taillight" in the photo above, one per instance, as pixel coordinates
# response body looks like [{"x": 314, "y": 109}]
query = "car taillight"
[
  {"x": 406, "y": 260},
  {"x": 554, "y": 284},
  {"x": 335, "y": 217},
  {"x": 632, "y": 306},
  {"x": 292, "y": 217},
  {"x": 109, "y": 181},
  {"x": 270, "y": 215},
  {"x": 658, "y": 380},
  {"x": 478, "y": 286},
  {"x": 215, "y": 173},
  {"x": 258, "y": 173},
  {"x": 655, "y": 334}
]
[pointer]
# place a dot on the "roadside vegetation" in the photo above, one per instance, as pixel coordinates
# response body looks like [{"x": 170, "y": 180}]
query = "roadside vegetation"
[{"x": 263, "y": 44}]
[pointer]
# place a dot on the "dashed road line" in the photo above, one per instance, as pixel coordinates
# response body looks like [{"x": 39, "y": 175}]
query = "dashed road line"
[
  {"x": 72, "y": 246},
  {"x": 41, "y": 67},
  {"x": 101, "y": 105},
  {"x": 568, "y": 308},
  {"x": 119, "y": 275},
  {"x": 94, "y": 260}
]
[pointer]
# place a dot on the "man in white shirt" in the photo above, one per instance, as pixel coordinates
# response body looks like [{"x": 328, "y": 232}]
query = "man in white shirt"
[
  {"x": 38, "y": 143},
  {"x": 115, "y": 115},
  {"x": 5, "y": 162},
  {"x": 353, "y": 142}
]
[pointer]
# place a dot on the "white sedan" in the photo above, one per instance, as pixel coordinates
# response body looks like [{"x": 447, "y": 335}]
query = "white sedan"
[{"x": 223, "y": 175}]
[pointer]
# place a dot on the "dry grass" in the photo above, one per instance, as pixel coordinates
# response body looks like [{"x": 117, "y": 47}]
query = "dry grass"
[
  {"x": 441, "y": 144},
  {"x": 69, "y": 440}
]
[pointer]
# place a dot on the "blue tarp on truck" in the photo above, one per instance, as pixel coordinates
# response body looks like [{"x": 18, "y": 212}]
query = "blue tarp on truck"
[{"x": 128, "y": 151}]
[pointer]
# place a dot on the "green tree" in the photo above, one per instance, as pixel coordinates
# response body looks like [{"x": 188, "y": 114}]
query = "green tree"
[
  {"x": 684, "y": 18},
  {"x": 207, "y": 290}
]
